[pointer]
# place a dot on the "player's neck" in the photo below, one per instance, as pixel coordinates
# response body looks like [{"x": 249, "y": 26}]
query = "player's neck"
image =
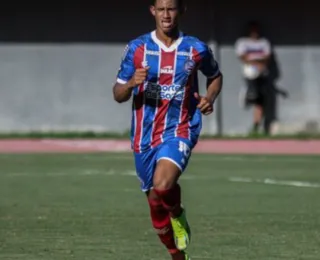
[{"x": 168, "y": 38}]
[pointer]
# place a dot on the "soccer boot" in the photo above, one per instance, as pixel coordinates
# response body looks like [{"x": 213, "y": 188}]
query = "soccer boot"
[{"x": 181, "y": 231}]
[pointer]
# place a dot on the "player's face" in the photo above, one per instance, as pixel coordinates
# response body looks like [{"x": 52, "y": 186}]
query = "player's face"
[
  {"x": 166, "y": 13},
  {"x": 254, "y": 33}
]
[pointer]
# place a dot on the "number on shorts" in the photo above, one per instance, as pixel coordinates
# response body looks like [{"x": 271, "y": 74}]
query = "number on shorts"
[{"x": 184, "y": 148}]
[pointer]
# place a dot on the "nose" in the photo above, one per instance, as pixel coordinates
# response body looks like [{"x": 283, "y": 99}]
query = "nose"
[{"x": 166, "y": 13}]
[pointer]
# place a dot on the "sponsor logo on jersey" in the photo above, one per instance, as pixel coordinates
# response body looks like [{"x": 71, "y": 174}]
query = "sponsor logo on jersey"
[
  {"x": 166, "y": 70},
  {"x": 154, "y": 53},
  {"x": 164, "y": 92}
]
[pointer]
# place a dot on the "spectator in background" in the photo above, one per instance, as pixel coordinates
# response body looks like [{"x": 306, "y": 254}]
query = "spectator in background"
[{"x": 254, "y": 52}]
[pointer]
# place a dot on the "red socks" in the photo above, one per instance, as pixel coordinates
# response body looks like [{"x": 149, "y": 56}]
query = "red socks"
[
  {"x": 167, "y": 204},
  {"x": 171, "y": 199},
  {"x": 161, "y": 222}
]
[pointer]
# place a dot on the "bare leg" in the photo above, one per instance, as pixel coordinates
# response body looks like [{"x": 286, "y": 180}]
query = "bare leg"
[{"x": 257, "y": 117}]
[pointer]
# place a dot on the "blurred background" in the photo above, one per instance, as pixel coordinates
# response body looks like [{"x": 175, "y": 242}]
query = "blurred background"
[{"x": 59, "y": 62}]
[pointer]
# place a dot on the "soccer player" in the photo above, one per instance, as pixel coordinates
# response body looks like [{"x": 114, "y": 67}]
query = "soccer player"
[{"x": 159, "y": 69}]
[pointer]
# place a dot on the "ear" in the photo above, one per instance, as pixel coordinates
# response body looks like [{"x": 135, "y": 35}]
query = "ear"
[{"x": 152, "y": 10}]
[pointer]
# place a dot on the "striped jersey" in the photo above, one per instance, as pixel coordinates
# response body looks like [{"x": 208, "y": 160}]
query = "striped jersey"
[
  {"x": 254, "y": 49},
  {"x": 164, "y": 106}
]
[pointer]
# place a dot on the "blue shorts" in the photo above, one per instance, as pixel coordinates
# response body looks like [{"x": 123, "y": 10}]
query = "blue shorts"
[{"x": 177, "y": 150}]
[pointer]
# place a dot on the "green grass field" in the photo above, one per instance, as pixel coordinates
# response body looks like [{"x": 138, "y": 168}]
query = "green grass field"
[{"x": 89, "y": 207}]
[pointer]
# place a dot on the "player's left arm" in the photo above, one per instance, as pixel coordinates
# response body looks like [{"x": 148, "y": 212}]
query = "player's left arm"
[
  {"x": 214, "y": 86},
  {"x": 266, "y": 50},
  {"x": 210, "y": 68}
]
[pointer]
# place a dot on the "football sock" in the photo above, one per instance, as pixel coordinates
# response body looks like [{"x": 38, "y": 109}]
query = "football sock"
[
  {"x": 171, "y": 200},
  {"x": 160, "y": 218}
]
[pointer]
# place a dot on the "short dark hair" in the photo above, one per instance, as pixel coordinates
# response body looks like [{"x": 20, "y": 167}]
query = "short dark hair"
[{"x": 181, "y": 3}]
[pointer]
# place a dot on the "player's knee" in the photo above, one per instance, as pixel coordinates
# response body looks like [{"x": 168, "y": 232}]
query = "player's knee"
[
  {"x": 164, "y": 184},
  {"x": 159, "y": 215}
]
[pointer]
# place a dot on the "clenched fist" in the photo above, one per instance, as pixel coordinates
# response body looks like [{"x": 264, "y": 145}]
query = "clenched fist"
[
  {"x": 205, "y": 106},
  {"x": 139, "y": 77}
]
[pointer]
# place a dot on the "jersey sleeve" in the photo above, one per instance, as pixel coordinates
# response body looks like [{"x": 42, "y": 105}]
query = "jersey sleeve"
[
  {"x": 127, "y": 67},
  {"x": 267, "y": 47},
  {"x": 209, "y": 66}
]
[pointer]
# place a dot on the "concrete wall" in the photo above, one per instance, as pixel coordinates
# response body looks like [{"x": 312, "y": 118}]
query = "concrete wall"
[
  {"x": 60, "y": 87},
  {"x": 57, "y": 67}
]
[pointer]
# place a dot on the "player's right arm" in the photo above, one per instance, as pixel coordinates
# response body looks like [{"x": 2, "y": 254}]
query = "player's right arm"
[
  {"x": 123, "y": 91},
  {"x": 128, "y": 76}
]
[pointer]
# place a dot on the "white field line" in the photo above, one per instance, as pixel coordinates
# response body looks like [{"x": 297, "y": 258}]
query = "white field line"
[
  {"x": 301, "y": 184},
  {"x": 132, "y": 173}
]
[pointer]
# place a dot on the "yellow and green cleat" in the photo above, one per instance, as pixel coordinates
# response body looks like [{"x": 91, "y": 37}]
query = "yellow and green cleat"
[{"x": 181, "y": 232}]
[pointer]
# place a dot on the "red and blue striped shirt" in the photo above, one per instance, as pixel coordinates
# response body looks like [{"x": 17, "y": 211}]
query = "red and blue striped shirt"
[{"x": 164, "y": 105}]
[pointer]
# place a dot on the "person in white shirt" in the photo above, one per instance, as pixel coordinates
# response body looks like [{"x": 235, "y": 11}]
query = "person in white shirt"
[{"x": 254, "y": 52}]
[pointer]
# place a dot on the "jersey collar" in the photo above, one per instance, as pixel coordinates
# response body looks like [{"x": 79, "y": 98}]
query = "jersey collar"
[{"x": 163, "y": 46}]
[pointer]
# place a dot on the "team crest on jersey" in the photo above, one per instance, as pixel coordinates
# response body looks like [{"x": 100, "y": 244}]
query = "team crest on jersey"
[{"x": 189, "y": 65}]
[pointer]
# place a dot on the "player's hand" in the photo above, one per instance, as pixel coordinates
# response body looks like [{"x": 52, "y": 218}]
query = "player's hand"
[
  {"x": 205, "y": 106},
  {"x": 139, "y": 77}
]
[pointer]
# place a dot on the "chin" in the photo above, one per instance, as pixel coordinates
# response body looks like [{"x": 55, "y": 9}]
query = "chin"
[{"x": 167, "y": 30}]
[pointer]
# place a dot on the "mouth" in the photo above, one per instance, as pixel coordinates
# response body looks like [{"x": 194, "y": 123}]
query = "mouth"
[{"x": 166, "y": 24}]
